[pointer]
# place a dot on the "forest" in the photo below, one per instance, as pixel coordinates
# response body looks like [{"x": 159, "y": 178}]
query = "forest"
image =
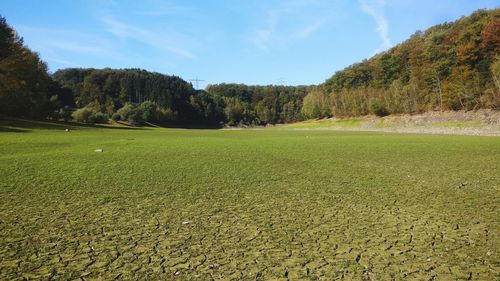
[
  {"x": 451, "y": 66},
  {"x": 136, "y": 96}
]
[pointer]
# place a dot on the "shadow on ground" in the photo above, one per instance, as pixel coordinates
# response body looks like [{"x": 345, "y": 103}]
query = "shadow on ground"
[{"x": 16, "y": 125}]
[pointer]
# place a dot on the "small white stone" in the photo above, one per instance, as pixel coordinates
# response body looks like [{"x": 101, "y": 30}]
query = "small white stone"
[
  {"x": 99, "y": 150},
  {"x": 185, "y": 222}
]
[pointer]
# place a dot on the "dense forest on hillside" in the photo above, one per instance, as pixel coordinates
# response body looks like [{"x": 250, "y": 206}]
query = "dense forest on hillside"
[
  {"x": 450, "y": 66},
  {"x": 169, "y": 99},
  {"x": 260, "y": 104},
  {"x": 108, "y": 90}
]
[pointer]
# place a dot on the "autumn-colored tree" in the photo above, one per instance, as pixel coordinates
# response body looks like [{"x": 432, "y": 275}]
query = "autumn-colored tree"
[{"x": 24, "y": 81}]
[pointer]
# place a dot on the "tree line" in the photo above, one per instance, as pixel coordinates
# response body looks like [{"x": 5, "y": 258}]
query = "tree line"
[
  {"x": 133, "y": 95},
  {"x": 136, "y": 95},
  {"x": 450, "y": 66}
]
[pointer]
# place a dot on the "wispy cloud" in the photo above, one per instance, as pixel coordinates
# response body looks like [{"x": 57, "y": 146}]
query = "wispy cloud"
[
  {"x": 307, "y": 30},
  {"x": 64, "y": 40},
  {"x": 76, "y": 47},
  {"x": 156, "y": 40},
  {"x": 67, "y": 63},
  {"x": 261, "y": 37},
  {"x": 165, "y": 9},
  {"x": 61, "y": 46},
  {"x": 375, "y": 9},
  {"x": 288, "y": 22}
]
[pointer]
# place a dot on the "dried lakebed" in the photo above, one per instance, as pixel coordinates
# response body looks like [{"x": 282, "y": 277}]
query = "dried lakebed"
[{"x": 249, "y": 204}]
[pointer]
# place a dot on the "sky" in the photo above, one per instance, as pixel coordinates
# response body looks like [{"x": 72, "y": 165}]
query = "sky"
[{"x": 291, "y": 42}]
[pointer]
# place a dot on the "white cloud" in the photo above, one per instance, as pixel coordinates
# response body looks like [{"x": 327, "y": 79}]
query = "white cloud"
[
  {"x": 289, "y": 21},
  {"x": 164, "y": 9},
  {"x": 62, "y": 46},
  {"x": 159, "y": 41},
  {"x": 76, "y": 47},
  {"x": 61, "y": 61},
  {"x": 375, "y": 9},
  {"x": 262, "y": 36},
  {"x": 306, "y": 31},
  {"x": 65, "y": 40}
]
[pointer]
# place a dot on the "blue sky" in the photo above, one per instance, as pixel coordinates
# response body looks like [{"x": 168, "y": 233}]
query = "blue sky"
[{"x": 295, "y": 42}]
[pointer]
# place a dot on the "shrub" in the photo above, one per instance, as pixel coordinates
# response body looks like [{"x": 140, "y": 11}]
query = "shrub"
[
  {"x": 148, "y": 110},
  {"x": 135, "y": 116},
  {"x": 125, "y": 111},
  {"x": 378, "y": 109},
  {"x": 116, "y": 117},
  {"x": 87, "y": 115},
  {"x": 82, "y": 115},
  {"x": 64, "y": 113},
  {"x": 164, "y": 115},
  {"x": 316, "y": 105},
  {"x": 130, "y": 113},
  {"x": 100, "y": 118}
]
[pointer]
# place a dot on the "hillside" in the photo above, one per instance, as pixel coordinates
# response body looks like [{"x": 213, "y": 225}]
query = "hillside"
[
  {"x": 108, "y": 90},
  {"x": 482, "y": 122},
  {"x": 450, "y": 66}
]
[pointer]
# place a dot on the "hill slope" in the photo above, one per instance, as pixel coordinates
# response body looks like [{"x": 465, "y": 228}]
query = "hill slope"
[{"x": 449, "y": 66}]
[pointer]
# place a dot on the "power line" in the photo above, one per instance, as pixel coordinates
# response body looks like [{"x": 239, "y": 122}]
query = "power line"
[{"x": 196, "y": 80}]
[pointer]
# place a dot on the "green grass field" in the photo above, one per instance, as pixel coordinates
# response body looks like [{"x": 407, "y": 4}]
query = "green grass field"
[
  {"x": 246, "y": 204},
  {"x": 352, "y": 123}
]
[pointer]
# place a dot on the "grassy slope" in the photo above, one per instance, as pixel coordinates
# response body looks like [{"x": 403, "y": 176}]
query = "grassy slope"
[
  {"x": 258, "y": 203},
  {"x": 352, "y": 123},
  {"x": 458, "y": 123}
]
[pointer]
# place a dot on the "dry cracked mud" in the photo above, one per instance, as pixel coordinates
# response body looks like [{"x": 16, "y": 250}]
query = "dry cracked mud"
[
  {"x": 248, "y": 205},
  {"x": 288, "y": 238}
]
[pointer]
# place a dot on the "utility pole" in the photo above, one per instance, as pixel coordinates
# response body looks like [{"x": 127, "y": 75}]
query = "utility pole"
[{"x": 196, "y": 80}]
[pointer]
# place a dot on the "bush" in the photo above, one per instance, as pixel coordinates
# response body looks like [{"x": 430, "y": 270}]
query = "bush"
[
  {"x": 130, "y": 113},
  {"x": 316, "y": 105},
  {"x": 116, "y": 117},
  {"x": 100, "y": 118},
  {"x": 379, "y": 109},
  {"x": 148, "y": 111},
  {"x": 135, "y": 117},
  {"x": 82, "y": 115},
  {"x": 87, "y": 115},
  {"x": 125, "y": 111},
  {"x": 64, "y": 113},
  {"x": 164, "y": 115}
]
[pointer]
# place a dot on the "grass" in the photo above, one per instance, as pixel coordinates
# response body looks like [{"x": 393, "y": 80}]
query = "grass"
[
  {"x": 325, "y": 123},
  {"x": 247, "y": 204},
  {"x": 459, "y": 124}
]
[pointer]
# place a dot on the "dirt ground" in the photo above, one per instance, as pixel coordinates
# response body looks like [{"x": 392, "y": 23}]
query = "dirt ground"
[{"x": 480, "y": 123}]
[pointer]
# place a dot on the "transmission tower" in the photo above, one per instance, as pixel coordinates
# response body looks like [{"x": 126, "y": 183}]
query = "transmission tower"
[{"x": 196, "y": 80}]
